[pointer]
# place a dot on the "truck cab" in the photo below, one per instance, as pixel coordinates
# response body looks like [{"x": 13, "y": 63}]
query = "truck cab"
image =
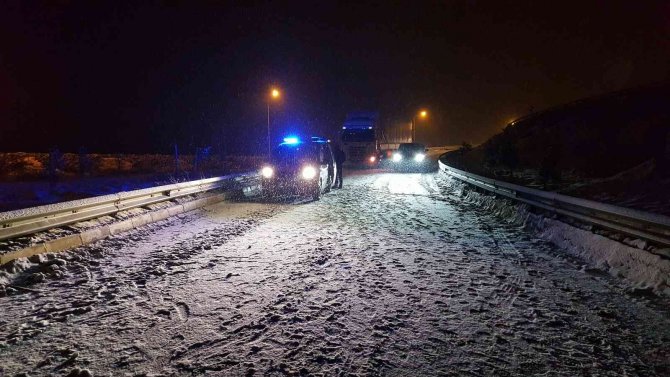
[{"x": 359, "y": 140}]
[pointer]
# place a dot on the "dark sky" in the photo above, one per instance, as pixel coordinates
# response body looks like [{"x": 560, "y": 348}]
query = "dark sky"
[{"x": 135, "y": 77}]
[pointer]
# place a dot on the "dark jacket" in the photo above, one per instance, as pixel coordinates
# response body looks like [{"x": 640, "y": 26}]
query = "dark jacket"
[{"x": 340, "y": 157}]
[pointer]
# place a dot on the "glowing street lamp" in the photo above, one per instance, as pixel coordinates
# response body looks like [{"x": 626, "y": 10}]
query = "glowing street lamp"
[
  {"x": 423, "y": 114},
  {"x": 274, "y": 95}
]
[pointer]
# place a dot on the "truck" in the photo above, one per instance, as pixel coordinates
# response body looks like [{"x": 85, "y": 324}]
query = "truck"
[{"x": 359, "y": 139}]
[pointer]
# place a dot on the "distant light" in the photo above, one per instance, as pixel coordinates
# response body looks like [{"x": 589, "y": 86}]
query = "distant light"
[
  {"x": 373, "y": 158},
  {"x": 369, "y": 128},
  {"x": 419, "y": 157},
  {"x": 275, "y": 93},
  {"x": 344, "y": 128},
  {"x": 397, "y": 157},
  {"x": 291, "y": 140},
  {"x": 423, "y": 113},
  {"x": 308, "y": 172},
  {"x": 267, "y": 172}
]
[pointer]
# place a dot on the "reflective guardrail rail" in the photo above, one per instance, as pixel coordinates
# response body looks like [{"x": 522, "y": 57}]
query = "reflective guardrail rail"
[
  {"x": 648, "y": 226},
  {"x": 31, "y": 220}
]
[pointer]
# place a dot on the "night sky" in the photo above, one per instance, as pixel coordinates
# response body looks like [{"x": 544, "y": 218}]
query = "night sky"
[{"x": 137, "y": 77}]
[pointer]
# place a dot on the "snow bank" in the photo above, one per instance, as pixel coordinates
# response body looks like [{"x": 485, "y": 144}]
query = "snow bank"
[{"x": 641, "y": 269}]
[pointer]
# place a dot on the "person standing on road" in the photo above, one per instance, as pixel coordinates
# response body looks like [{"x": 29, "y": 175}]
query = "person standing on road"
[{"x": 340, "y": 157}]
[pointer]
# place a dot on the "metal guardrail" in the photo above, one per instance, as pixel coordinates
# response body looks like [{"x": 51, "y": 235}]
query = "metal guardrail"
[
  {"x": 648, "y": 226},
  {"x": 31, "y": 220}
]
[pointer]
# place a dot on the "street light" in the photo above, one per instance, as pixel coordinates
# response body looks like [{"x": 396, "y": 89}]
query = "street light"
[
  {"x": 274, "y": 95},
  {"x": 423, "y": 114}
]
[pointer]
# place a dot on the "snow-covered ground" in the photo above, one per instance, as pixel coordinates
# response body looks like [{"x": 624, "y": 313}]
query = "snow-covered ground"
[
  {"x": 393, "y": 275},
  {"x": 643, "y": 266}
]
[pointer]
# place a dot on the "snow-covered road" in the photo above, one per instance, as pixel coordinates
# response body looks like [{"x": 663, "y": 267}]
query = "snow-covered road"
[{"x": 392, "y": 275}]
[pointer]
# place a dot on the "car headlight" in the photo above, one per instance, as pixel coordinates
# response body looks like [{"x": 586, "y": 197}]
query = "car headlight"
[
  {"x": 419, "y": 157},
  {"x": 397, "y": 157},
  {"x": 308, "y": 172},
  {"x": 267, "y": 172}
]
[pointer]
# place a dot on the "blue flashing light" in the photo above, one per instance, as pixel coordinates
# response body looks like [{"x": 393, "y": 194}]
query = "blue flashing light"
[{"x": 291, "y": 140}]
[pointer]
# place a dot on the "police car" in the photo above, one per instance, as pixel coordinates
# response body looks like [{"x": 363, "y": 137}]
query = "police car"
[
  {"x": 299, "y": 167},
  {"x": 409, "y": 156}
]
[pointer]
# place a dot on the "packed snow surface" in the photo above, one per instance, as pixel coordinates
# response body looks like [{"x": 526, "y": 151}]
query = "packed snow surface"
[{"x": 393, "y": 275}]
